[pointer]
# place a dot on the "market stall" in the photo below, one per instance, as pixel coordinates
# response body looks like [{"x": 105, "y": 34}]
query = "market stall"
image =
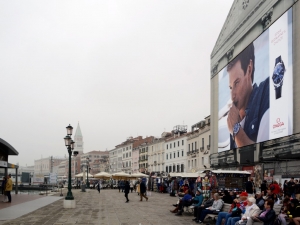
[{"x": 227, "y": 179}]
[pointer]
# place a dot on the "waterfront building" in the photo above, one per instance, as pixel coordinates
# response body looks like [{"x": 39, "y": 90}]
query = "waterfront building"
[
  {"x": 176, "y": 150},
  {"x": 260, "y": 39},
  {"x": 198, "y": 146}
]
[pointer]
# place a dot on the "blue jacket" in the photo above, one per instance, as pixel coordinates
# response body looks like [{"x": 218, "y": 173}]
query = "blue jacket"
[
  {"x": 187, "y": 197},
  {"x": 198, "y": 198},
  {"x": 258, "y": 104}
]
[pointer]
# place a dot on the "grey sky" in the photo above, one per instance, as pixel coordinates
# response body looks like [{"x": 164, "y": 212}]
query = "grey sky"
[{"x": 120, "y": 68}]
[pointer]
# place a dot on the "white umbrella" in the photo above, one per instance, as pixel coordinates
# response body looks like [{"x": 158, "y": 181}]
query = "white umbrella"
[
  {"x": 85, "y": 174},
  {"x": 190, "y": 175},
  {"x": 175, "y": 174},
  {"x": 120, "y": 175},
  {"x": 102, "y": 175},
  {"x": 138, "y": 175}
]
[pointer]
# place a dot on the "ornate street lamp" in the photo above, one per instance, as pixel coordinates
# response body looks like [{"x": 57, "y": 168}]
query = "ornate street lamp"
[
  {"x": 87, "y": 174},
  {"x": 70, "y": 146}
]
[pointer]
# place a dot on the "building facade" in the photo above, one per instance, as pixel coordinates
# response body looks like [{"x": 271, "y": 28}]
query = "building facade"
[
  {"x": 176, "y": 150},
  {"x": 198, "y": 146},
  {"x": 261, "y": 40},
  {"x": 92, "y": 160},
  {"x": 113, "y": 161},
  {"x": 45, "y": 166},
  {"x": 156, "y": 154}
]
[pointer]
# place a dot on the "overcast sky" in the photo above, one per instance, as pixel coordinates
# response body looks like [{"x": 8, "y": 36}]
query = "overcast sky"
[{"x": 120, "y": 68}]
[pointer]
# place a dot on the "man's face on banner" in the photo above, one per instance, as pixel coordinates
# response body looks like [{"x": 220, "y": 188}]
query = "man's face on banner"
[{"x": 240, "y": 84}]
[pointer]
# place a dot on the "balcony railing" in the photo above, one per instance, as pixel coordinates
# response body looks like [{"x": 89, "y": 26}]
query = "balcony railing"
[
  {"x": 208, "y": 147},
  {"x": 202, "y": 149}
]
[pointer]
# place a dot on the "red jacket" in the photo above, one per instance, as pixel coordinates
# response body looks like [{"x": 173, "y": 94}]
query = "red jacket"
[
  {"x": 241, "y": 205},
  {"x": 275, "y": 188}
]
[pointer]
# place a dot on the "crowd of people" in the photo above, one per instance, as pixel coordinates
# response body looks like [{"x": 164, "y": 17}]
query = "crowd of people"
[
  {"x": 128, "y": 186},
  {"x": 249, "y": 206}
]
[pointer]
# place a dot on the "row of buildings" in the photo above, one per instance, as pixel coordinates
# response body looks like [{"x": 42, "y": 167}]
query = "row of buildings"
[
  {"x": 174, "y": 151},
  {"x": 259, "y": 45}
]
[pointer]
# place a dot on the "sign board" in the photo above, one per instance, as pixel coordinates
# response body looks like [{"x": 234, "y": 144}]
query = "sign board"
[
  {"x": 25, "y": 177},
  {"x": 38, "y": 178},
  {"x": 53, "y": 178},
  {"x": 3, "y": 163}
]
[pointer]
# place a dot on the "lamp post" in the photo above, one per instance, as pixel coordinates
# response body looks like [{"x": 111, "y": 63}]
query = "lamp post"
[
  {"x": 87, "y": 173},
  {"x": 70, "y": 203}
]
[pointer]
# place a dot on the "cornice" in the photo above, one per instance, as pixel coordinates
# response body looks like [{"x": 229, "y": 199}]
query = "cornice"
[{"x": 250, "y": 14}]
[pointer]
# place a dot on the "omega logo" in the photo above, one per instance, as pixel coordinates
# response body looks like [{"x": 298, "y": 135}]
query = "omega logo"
[{"x": 279, "y": 123}]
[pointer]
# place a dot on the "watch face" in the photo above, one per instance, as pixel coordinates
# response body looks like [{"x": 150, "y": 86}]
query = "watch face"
[
  {"x": 236, "y": 128},
  {"x": 278, "y": 73}
]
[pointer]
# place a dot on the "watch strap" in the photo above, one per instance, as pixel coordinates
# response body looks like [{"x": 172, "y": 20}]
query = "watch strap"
[
  {"x": 278, "y": 60},
  {"x": 278, "y": 91}
]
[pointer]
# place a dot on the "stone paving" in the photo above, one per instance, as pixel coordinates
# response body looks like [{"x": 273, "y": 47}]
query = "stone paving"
[{"x": 108, "y": 207}]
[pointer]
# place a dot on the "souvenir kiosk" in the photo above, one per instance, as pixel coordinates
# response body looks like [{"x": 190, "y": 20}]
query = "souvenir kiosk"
[{"x": 227, "y": 179}]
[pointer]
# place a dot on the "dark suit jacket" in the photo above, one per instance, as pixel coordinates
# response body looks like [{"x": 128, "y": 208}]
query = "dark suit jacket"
[{"x": 269, "y": 218}]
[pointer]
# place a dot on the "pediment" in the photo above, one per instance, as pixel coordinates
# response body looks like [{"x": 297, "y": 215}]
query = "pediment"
[{"x": 241, "y": 11}]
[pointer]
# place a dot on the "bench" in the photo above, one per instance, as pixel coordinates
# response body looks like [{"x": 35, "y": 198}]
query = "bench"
[
  {"x": 276, "y": 208},
  {"x": 225, "y": 208}
]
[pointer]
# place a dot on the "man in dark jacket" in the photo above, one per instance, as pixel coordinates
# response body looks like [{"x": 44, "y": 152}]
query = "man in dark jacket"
[
  {"x": 291, "y": 187},
  {"x": 143, "y": 191},
  {"x": 263, "y": 187},
  {"x": 250, "y": 186},
  {"x": 126, "y": 190}
]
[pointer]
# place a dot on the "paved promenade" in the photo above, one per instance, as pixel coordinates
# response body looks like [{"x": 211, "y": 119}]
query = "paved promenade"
[{"x": 108, "y": 207}]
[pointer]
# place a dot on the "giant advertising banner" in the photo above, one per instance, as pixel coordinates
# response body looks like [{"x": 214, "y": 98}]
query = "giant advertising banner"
[{"x": 256, "y": 90}]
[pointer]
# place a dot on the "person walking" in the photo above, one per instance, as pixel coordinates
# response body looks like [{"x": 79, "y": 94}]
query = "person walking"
[
  {"x": 99, "y": 186},
  {"x": 8, "y": 188},
  {"x": 131, "y": 186},
  {"x": 126, "y": 190},
  {"x": 143, "y": 191},
  {"x": 138, "y": 186}
]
